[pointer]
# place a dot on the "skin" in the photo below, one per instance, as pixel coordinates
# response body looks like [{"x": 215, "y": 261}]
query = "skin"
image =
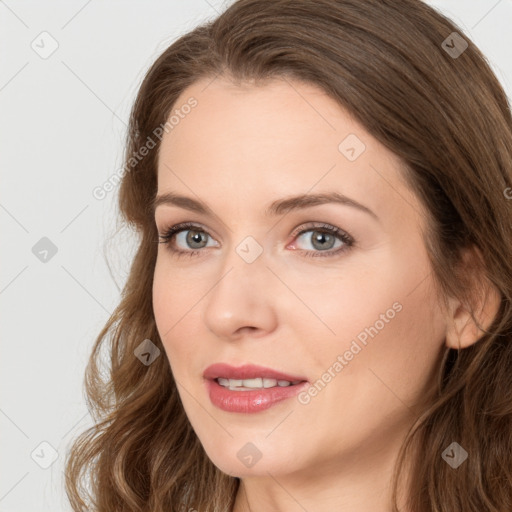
[{"x": 238, "y": 150}]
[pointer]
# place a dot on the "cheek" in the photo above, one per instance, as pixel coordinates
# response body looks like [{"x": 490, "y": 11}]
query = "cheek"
[
  {"x": 174, "y": 298},
  {"x": 388, "y": 332},
  {"x": 388, "y": 337}
]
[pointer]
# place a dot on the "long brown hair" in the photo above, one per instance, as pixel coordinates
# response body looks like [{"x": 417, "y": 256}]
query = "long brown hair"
[{"x": 435, "y": 104}]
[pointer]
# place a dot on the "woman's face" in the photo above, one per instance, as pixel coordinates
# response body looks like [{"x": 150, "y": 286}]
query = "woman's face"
[{"x": 262, "y": 281}]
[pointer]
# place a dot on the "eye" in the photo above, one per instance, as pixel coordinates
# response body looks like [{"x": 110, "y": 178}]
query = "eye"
[
  {"x": 186, "y": 233},
  {"x": 324, "y": 237},
  {"x": 322, "y": 240}
]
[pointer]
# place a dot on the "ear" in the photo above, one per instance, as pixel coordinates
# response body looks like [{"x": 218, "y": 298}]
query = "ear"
[{"x": 462, "y": 331}]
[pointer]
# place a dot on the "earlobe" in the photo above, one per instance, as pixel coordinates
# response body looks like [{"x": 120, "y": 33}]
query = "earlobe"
[{"x": 462, "y": 330}]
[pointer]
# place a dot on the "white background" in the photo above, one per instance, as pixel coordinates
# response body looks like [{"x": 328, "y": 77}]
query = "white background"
[{"x": 63, "y": 121}]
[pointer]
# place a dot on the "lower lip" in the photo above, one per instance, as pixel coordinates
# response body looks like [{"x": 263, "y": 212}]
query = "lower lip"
[{"x": 250, "y": 401}]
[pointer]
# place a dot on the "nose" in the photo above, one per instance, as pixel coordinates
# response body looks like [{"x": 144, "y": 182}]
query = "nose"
[{"x": 243, "y": 299}]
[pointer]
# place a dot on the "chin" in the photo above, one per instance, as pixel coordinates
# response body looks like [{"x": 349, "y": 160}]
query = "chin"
[{"x": 244, "y": 459}]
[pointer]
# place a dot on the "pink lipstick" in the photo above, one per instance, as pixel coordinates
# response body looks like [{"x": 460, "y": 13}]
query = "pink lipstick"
[{"x": 250, "y": 388}]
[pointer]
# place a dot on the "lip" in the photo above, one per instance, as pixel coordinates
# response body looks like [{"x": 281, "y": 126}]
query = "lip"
[
  {"x": 256, "y": 400},
  {"x": 247, "y": 371},
  {"x": 253, "y": 401}
]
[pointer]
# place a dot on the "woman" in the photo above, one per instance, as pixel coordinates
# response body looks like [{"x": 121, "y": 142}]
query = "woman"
[{"x": 325, "y": 323}]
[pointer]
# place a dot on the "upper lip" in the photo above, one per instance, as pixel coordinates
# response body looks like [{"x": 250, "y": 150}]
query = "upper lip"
[{"x": 247, "y": 371}]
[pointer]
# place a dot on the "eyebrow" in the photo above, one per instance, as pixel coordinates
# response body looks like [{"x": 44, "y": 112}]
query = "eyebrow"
[{"x": 278, "y": 207}]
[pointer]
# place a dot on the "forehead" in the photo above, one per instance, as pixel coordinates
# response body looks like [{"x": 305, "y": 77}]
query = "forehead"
[
  {"x": 277, "y": 112},
  {"x": 272, "y": 140}
]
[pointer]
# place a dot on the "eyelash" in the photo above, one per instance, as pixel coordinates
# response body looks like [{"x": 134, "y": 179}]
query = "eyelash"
[{"x": 348, "y": 241}]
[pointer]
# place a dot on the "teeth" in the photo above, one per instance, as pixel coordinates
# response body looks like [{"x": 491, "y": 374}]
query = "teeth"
[
  {"x": 269, "y": 383},
  {"x": 252, "y": 383},
  {"x": 257, "y": 383}
]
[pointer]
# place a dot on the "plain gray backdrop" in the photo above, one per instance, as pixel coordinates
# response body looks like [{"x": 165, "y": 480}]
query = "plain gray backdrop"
[{"x": 68, "y": 76}]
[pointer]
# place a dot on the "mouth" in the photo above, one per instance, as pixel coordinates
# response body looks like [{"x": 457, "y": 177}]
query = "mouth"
[{"x": 250, "y": 388}]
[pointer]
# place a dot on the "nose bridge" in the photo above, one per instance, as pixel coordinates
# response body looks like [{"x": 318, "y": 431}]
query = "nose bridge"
[
  {"x": 247, "y": 259},
  {"x": 240, "y": 296}
]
